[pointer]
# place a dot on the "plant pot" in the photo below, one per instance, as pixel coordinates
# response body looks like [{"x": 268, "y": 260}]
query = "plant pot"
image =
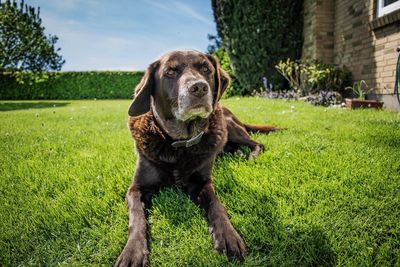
[{"x": 360, "y": 103}]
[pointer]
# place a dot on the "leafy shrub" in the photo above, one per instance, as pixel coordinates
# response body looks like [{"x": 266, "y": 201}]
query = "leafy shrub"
[
  {"x": 322, "y": 98},
  {"x": 225, "y": 63},
  {"x": 30, "y": 78},
  {"x": 69, "y": 85},
  {"x": 325, "y": 98},
  {"x": 310, "y": 77},
  {"x": 269, "y": 92},
  {"x": 359, "y": 89},
  {"x": 256, "y": 35}
]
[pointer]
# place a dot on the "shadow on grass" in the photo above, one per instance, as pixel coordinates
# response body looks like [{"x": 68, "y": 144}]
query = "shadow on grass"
[
  {"x": 305, "y": 246},
  {"x": 270, "y": 242},
  {"x": 9, "y": 106},
  {"x": 385, "y": 134},
  {"x": 254, "y": 215}
]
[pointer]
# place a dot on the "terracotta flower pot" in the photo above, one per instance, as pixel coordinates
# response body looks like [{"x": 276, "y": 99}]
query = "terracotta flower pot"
[{"x": 360, "y": 103}]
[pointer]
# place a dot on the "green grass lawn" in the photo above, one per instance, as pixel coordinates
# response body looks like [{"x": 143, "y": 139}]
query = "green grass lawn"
[{"x": 325, "y": 192}]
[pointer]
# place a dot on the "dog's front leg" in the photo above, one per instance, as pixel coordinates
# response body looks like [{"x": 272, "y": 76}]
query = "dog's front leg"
[
  {"x": 226, "y": 239},
  {"x": 136, "y": 250}
]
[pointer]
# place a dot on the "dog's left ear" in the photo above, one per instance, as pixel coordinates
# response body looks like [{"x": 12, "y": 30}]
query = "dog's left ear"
[
  {"x": 143, "y": 92},
  {"x": 221, "y": 79}
]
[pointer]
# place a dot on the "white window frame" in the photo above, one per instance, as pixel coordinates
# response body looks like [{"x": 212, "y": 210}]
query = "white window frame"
[{"x": 383, "y": 10}]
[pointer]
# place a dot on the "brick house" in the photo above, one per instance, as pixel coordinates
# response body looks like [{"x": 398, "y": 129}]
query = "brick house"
[{"x": 363, "y": 35}]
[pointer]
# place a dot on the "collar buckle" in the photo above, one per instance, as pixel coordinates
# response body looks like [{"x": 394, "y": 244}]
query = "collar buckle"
[{"x": 190, "y": 142}]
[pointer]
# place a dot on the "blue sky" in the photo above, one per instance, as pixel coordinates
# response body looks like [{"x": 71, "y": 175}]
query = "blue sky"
[{"x": 124, "y": 34}]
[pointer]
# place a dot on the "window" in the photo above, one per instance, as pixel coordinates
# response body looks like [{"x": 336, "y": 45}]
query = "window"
[{"x": 387, "y": 6}]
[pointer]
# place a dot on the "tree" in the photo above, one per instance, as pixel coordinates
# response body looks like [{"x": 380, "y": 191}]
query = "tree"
[
  {"x": 215, "y": 43},
  {"x": 258, "y": 34},
  {"x": 23, "y": 43}
]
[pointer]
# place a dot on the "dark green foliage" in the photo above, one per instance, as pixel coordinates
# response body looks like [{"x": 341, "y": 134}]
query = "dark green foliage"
[
  {"x": 215, "y": 44},
  {"x": 71, "y": 85},
  {"x": 216, "y": 49},
  {"x": 225, "y": 63},
  {"x": 310, "y": 77},
  {"x": 257, "y": 34},
  {"x": 23, "y": 44}
]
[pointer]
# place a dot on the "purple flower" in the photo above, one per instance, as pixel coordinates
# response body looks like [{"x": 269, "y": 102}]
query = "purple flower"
[{"x": 265, "y": 81}]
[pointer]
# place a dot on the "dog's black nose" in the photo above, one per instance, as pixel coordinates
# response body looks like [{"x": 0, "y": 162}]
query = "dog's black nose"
[{"x": 199, "y": 89}]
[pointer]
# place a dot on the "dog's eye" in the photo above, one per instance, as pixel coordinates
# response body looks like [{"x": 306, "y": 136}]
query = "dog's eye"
[
  {"x": 170, "y": 72},
  {"x": 205, "y": 69}
]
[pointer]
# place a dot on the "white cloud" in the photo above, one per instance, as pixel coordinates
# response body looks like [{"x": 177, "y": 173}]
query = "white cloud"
[
  {"x": 160, "y": 5},
  {"x": 62, "y": 5},
  {"x": 182, "y": 9},
  {"x": 189, "y": 11}
]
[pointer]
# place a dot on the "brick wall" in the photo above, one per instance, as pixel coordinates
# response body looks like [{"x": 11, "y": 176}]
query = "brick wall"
[
  {"x": 318, "y": 30},
  {"x": 385, "y": 56},
  {"x": 325, "y": 30},
  {"x": 309, "y": 31},
  {"x": 354, "y": 44},
  {"x": 360, "y": 41}
]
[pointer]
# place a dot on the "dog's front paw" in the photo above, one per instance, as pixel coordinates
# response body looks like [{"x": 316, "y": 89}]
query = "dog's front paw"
[
  {"x": 133, "y": 255},
  {"x": 227, "y": 240}
]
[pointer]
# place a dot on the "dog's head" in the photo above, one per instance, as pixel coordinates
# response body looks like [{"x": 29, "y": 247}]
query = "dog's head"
[{"x": 182, "y": 85}]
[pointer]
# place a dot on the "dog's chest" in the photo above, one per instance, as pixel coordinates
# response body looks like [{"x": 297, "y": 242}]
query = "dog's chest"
[
  {"x": 182, "y": 163},
  {"x": 179, "y": 162},
  {"x": 183, "y": 158},
  {"x": 168, "y": 158}
]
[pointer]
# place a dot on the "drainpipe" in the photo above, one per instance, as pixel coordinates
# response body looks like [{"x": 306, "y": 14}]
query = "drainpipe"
[{"x": 397, "y": 80}]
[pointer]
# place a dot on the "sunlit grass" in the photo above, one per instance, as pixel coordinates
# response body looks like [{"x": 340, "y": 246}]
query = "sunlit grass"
[{"x": 325, "y": 192}]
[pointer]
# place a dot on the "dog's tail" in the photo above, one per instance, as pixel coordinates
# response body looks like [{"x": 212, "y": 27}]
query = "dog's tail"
[{"x": 266, "y": 129}]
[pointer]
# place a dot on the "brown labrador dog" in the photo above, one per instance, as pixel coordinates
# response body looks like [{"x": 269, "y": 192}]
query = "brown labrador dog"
[{"x": 179, "y": 128}]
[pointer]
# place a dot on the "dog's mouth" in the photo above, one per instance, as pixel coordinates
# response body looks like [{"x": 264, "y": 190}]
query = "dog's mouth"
[
  {"x": 193, "y": 121},
  {"x": 193, "y": 113}
]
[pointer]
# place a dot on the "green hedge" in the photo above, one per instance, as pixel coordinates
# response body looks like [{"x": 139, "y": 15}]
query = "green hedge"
[
  {"x": 258, "y": 34},
  {"x": 70, "y": 85}
]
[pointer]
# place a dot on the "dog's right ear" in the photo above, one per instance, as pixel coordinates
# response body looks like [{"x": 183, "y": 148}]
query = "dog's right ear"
[{"x": 143, "y": 92}]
